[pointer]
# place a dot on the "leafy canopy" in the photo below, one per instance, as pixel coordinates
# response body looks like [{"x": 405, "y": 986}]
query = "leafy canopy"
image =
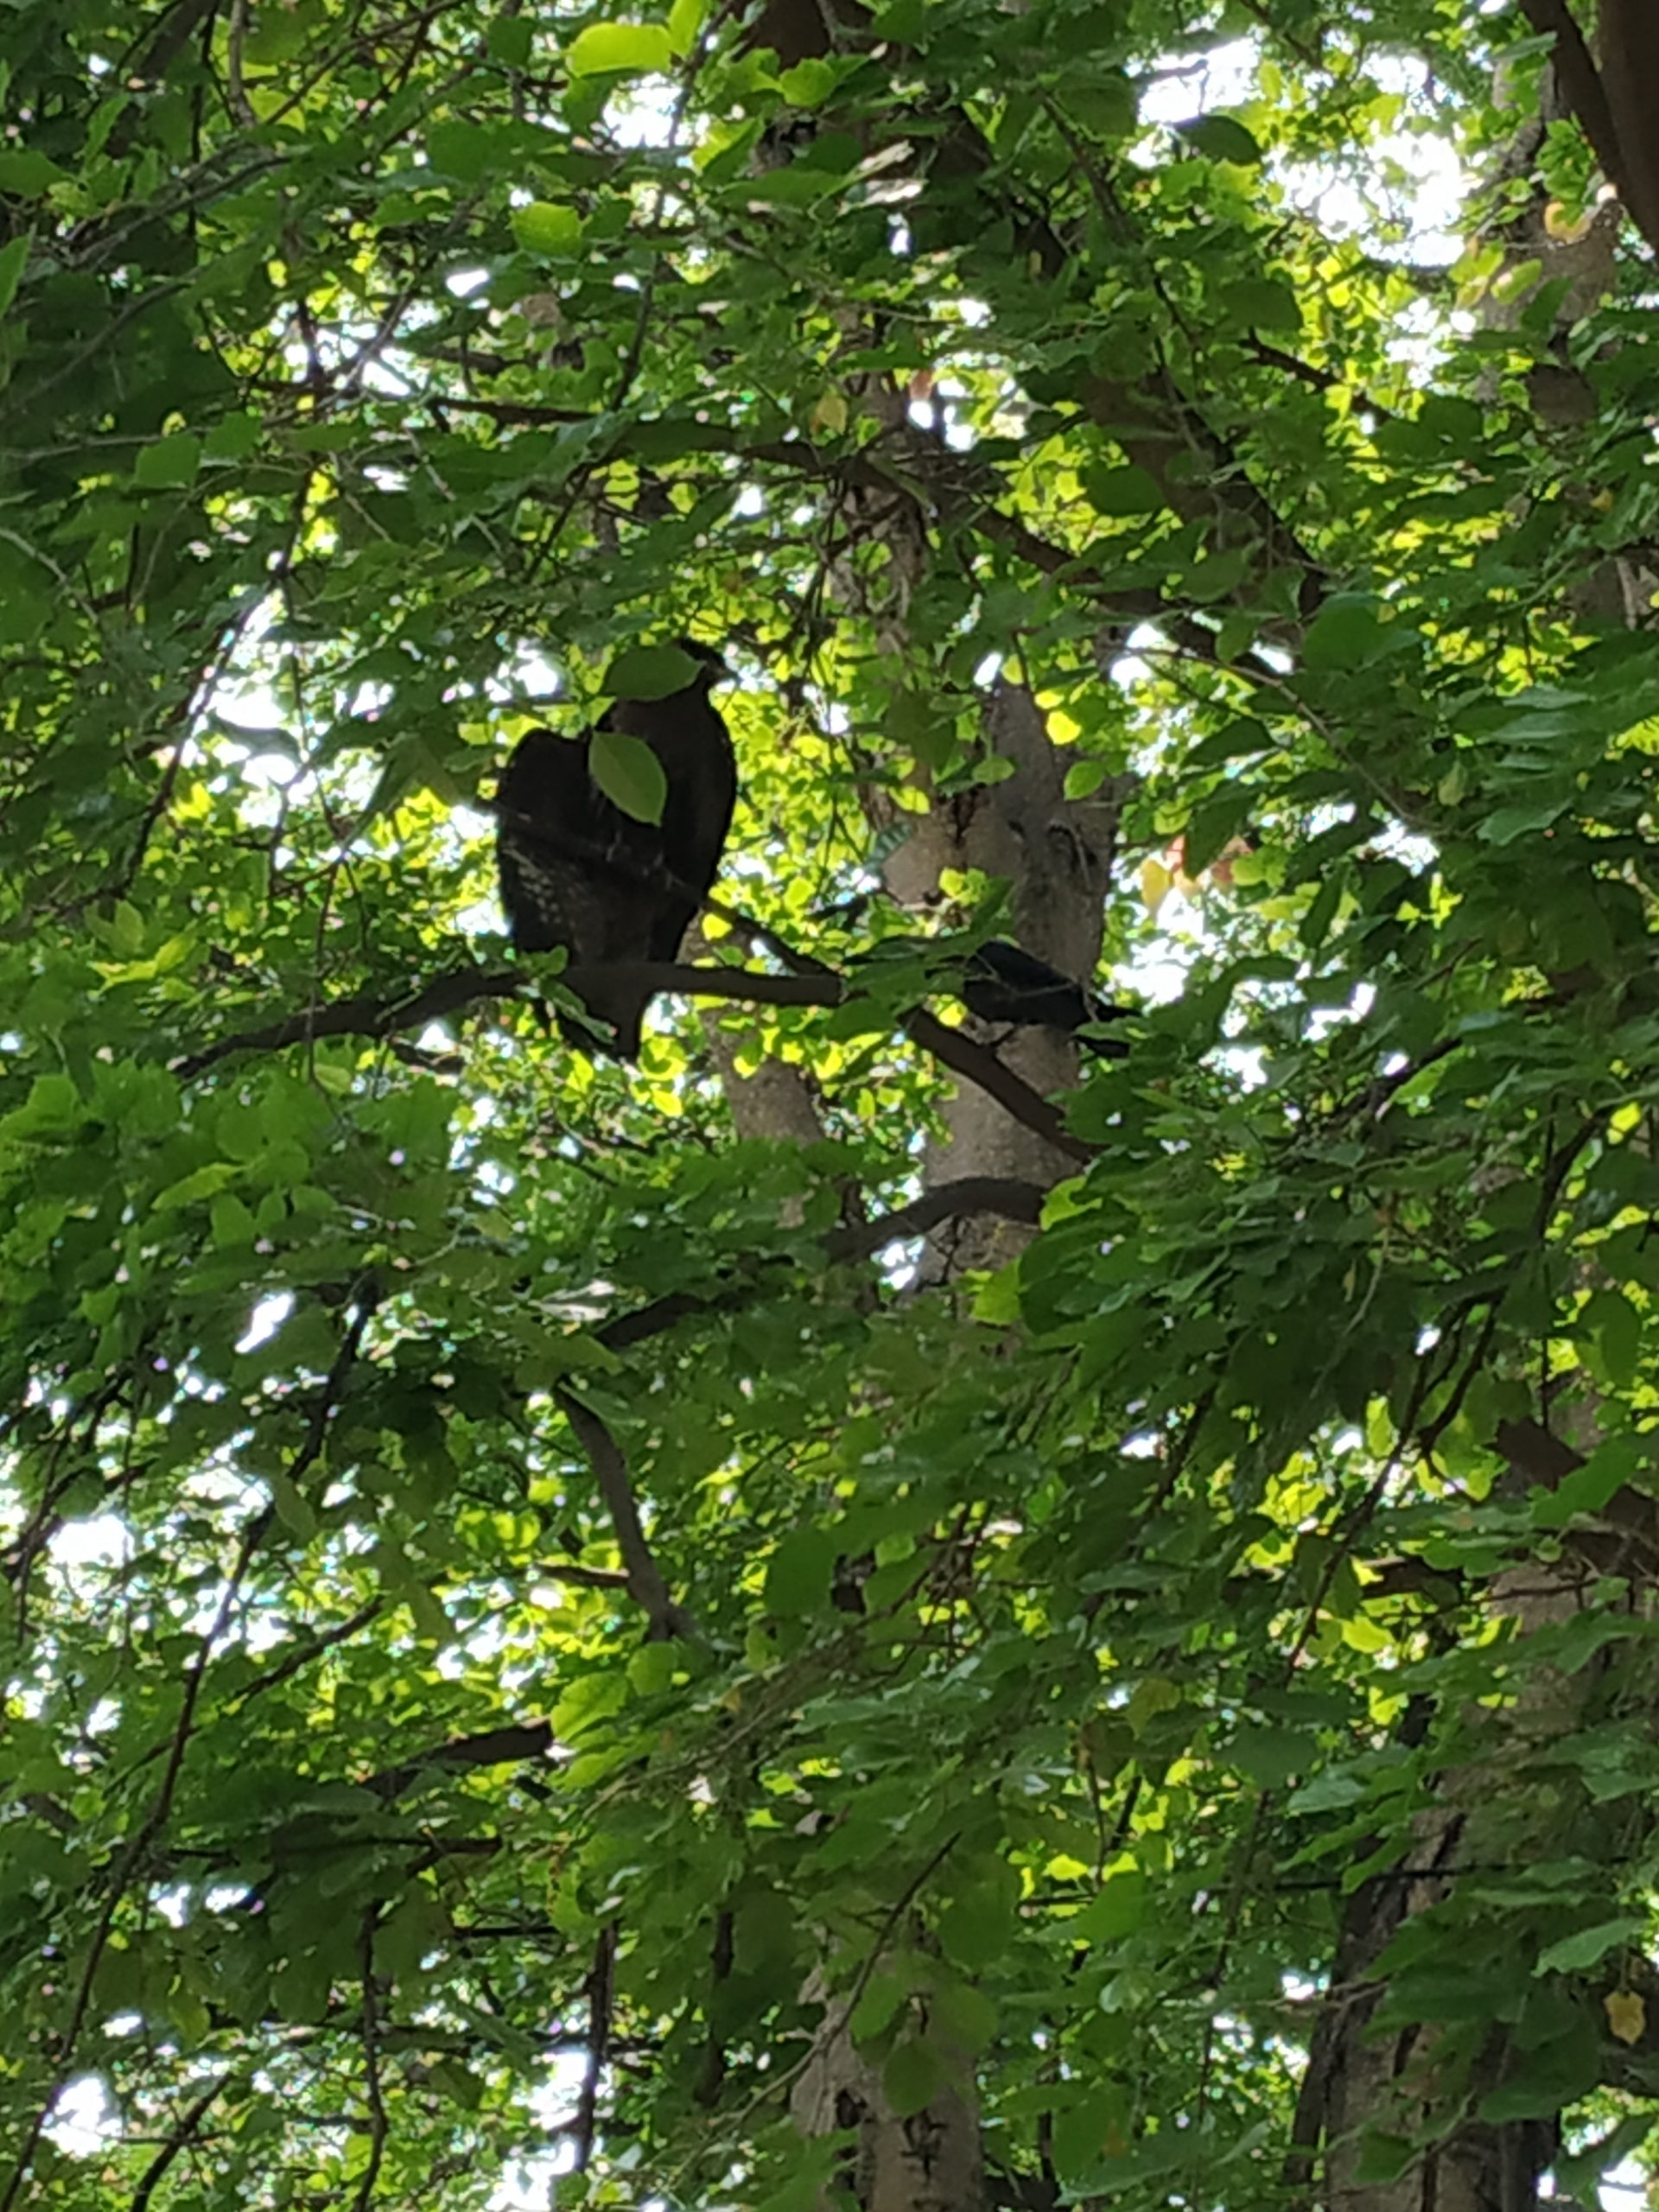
[{"x": 372, "y": 381}]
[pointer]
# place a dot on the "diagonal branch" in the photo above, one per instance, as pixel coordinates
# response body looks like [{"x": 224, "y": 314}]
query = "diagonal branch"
[
  {"x": 179, "y": 2138},
  {"x": 513, "y": 1744},
  {"x": 365, "y": 1014},
  {"x": 666, "y": 1619}
]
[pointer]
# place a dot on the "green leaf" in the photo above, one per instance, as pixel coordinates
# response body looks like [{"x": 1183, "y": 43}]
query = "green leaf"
[
  {"x": 915, "y": 720},
  {"x": 913, "y": 2075},
  {"x": 630, "y": 49},
  {"x": 980, "y": 1923},
  {"x": 1506, "y": 823},
  {"x": 651, "y": 1670},
  {"x": 233, "y": 1223},
  {"x": 1222, "y": 138},
  {"x": 1114, "y": 1911},
  {"x": 294, "y": 1511},
  {"x": 28, "y": 172},
  {"x": 1273, "y": 1756},
  {"x": 126, "y": 928},
  {"x": 1212, "y": 579},
  {"x": 649, "y": 672},
  {"x": 508, "y": 40},
  {"x": 686, "y": 19},
  {"x": 902, "y": 20},
  {"x": 1613, "y": 1329},
  {"x": 1591, "y": 1488},
  {"x": 1105, "y": 104},
  {"x": 965, "y": 2017},
  {"x": 1090, "y": 2124},
  {"x": 629, "y": 773},
  {"x": 427, "y": 1610},
  {"x": 882, "y": 1999},
  {"x": 1577, "y": 1953},
  {"x": 1235, "y": 741},
  {"x": 233, "y": 438},
  {"x": 465, "y": 152},
  {"x": 1384, "y": 2159},
  {"x": 170, "y": 464},
  {"x": 809, "y": 84},
  {"x": 798, "y": 1573},
  {"x": 547, "y": 227},
  {"x": 1262, "y": 303},
  {"x": 1119, "y": 492},
  {"x": 204, "y": 1182},
  {"x": 1347, "y": 632},
  {"x": 281, "y": 33}
]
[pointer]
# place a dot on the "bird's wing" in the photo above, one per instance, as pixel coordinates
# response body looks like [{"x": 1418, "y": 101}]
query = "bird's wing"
[
  {"x": 1002, "y": 982},
  {"x": 541, "y": 818},
  {"x": 690, "y": 740}
]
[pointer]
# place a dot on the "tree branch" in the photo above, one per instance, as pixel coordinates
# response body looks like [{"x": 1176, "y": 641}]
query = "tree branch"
[
  {"x": 969, "y": 1194},
  {"x": 366, "y": 1016},
  {"x": 515, "y": 1744},
  {"x": 601, "y": 1997},
  {"x": 1002, "y": 1195},
  {"x": 189, "y": 2122},
  {"x": 1585, "y": 94},
  {"x": 666, "y": 1620}
]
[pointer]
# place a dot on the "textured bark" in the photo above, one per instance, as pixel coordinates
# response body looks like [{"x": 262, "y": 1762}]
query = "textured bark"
[
  {"x": 1612, "y": 94},
  {"x": 1618, "y": 590},
  {"x": 1629, "y": 42},
  {"x": 1056, "y": 854},
  {"x": 1363, "y": 2082},
  {"x": 774, "y": 1101},
  {"x": 929, "y": 2162}
]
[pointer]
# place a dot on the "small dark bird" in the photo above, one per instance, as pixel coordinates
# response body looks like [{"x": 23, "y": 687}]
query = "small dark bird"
[
  {"x": 1004, "y": 983},
  {"x": 578, "y": 872}
]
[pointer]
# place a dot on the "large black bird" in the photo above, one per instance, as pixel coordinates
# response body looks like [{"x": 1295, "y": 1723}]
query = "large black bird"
[
  {"x": 578, "y": 872},
  {"x": 1002, "y": 982}
]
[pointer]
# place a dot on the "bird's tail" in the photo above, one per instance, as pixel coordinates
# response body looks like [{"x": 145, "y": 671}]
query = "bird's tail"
[{"x": 620, "y": 1010}]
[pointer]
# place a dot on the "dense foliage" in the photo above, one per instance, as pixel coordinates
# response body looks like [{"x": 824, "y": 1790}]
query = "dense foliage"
[{"x": 1043, "y": 1661}]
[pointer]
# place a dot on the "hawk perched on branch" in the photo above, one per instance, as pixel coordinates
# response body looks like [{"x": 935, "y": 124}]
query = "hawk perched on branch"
[{"x": 577, "y": 870}]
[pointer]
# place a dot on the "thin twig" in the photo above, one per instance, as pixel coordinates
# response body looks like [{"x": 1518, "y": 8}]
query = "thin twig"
[
  {"x": 601, "y": 1996},
  {"x": 183, "y": 2133},
  {"x": 236, "y": 90},
  {"x": 969, "y": 1195},
  {"x": 374, "y": 2093},
  {"x": 139, "y": 1844}
]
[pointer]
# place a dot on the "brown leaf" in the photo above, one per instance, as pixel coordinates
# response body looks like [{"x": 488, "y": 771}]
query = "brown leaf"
[{"x": 1627, "y": 2016}]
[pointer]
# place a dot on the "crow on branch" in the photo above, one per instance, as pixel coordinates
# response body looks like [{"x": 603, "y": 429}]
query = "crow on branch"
[{"x": 578, "y": 871}]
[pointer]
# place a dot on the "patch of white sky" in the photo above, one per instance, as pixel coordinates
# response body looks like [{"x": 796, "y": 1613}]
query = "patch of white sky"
[
  {"x": 84, "y": 1550},
  {"x": 85, "y": 2121},
  {"x": 1414, "y": 178},
  {"x": 1414, "y": 186}
]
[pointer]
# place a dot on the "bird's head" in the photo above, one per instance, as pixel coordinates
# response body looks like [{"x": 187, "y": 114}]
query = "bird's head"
[{"x": 711, "y": 664}]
